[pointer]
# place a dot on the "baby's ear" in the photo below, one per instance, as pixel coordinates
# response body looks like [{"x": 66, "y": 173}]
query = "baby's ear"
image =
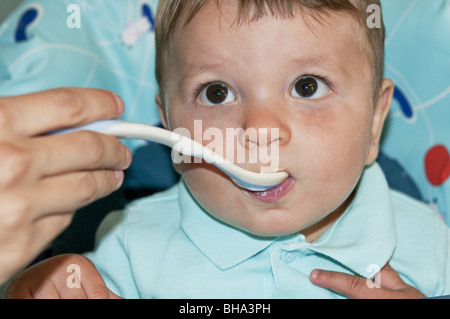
[
  {"x": 380, "y": 112},
  {"x": 161, "y": 110}
]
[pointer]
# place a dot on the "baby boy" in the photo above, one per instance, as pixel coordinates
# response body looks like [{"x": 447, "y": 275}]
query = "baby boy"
[{"x": 314, "y": 71}]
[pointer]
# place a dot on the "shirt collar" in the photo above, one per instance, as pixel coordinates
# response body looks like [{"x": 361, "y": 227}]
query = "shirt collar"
[
  {"x": 223, "y": 244},
  {"x": 363, "y": 236}
]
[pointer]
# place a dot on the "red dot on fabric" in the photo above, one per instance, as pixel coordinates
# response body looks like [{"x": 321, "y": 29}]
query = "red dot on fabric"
[{"x": 437, "y": 165}]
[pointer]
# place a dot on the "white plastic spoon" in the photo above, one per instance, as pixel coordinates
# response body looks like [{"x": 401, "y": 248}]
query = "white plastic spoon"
[{"x": 186, "y": 146}]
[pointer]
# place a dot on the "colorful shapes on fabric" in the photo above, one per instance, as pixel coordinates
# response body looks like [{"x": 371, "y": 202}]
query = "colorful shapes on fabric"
[
  {"x": 147, "y": 13},
  {"x": 405, "y": 107},
  {"x": 437, "y": 165},
  {"x": 28, "y": 18},
  {"x": 144, "y": 23}
]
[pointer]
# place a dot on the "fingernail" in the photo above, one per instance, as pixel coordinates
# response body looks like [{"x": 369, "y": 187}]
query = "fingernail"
[
  {"x": 314, "y": 276},
  {"x": 128, "y": 157},
  {"x": 120, "y": 105},
  {"x": 119, "y": 175}
]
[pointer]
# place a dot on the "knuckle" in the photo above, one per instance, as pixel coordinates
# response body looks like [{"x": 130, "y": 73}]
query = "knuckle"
[
  {"x": 92, "y": 146},
  {"x": 120, "y": 157},
  {"x": 71, "y": 103},
  {"x": 14, "y": 165},
  {"x": 104, "y": 101},
  {"x": 330, "y": 278},
  {"x": 354, "y": 283},
  {"x": 106, "y": 98},
  {"x": 15, "y": 213},
  {"x": 87, "y": 187}
]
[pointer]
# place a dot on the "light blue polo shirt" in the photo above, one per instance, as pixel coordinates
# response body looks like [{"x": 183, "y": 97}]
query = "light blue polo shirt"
[{"x": 167, "y": 246}]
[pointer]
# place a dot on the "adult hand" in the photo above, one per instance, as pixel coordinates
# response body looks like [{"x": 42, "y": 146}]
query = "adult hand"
[
  {"x": 391, "y": 286},
  {"x": 45, "y": 178}
]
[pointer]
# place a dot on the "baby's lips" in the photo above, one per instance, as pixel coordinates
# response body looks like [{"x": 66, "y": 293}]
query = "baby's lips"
[
  {"x": 262, "y": 168},
  {"x": 269, "y": 170}
]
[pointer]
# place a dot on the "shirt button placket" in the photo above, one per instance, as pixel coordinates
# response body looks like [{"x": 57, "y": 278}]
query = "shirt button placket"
[{"x": 287, "y": 256}]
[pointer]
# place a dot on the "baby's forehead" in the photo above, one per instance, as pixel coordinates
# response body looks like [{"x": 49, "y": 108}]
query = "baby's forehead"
[
  {"x": 238, "y": 16},
  {"x": 341, "y": 23},
  {"x": 297, "y": 44},
  {"x": 242, "y": 16}
]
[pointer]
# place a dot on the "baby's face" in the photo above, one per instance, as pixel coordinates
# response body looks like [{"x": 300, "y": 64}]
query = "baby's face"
[{"x": 310, "y": 80}]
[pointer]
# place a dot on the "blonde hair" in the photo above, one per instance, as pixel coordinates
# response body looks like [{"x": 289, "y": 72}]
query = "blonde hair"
[{"x": 172, "y": 14}]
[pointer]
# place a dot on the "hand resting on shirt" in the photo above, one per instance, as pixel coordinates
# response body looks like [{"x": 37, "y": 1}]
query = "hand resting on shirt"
[
  {"x": 62, "y": 277},
  {"x": 50, "y": 279},
  {"x": 391, "y": 286}
]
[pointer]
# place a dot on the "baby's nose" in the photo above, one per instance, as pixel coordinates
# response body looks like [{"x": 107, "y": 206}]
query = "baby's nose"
[
  {"x": 261, "y": 137},
  {"x": 268, "y": 124}
]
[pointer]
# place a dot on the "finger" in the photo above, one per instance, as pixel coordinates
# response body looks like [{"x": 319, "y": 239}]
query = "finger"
[
  {"x": 24, "y": 287},
  {"x": 69, "y": 192},
  {"x": 92, "y": 282},
  {"x": 63, "y": 272},
  {"x": 48, "y": 290},
  {"x": 390, "y": 279},
  {"x": 95, "y": 287},
  {"x": 354, "y": 287},
  {"x": 79, "y": 151},
  {"x": 52, "y": 110},
  {"x": 23, "y": 292}
]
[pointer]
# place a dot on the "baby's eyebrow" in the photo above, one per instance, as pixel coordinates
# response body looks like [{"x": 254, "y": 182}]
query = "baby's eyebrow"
[
  {"x": 327, "y": 63},
  {"x": 197, "y": 68},
  {"x": 324, "y": 62}
]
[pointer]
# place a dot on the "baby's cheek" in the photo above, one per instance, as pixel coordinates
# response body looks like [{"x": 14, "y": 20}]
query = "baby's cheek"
[
  {"x": 338, "y": 175},
  {"x": 203, "y": 180}
]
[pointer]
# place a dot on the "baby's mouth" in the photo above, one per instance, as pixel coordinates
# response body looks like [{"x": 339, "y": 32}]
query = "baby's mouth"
[{"x": 274, "y": 194}]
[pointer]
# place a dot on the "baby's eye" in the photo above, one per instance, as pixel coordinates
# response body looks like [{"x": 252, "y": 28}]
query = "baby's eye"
[
  {"x": 309, "y": 87},
  {"x": 216, "y": 94}
]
